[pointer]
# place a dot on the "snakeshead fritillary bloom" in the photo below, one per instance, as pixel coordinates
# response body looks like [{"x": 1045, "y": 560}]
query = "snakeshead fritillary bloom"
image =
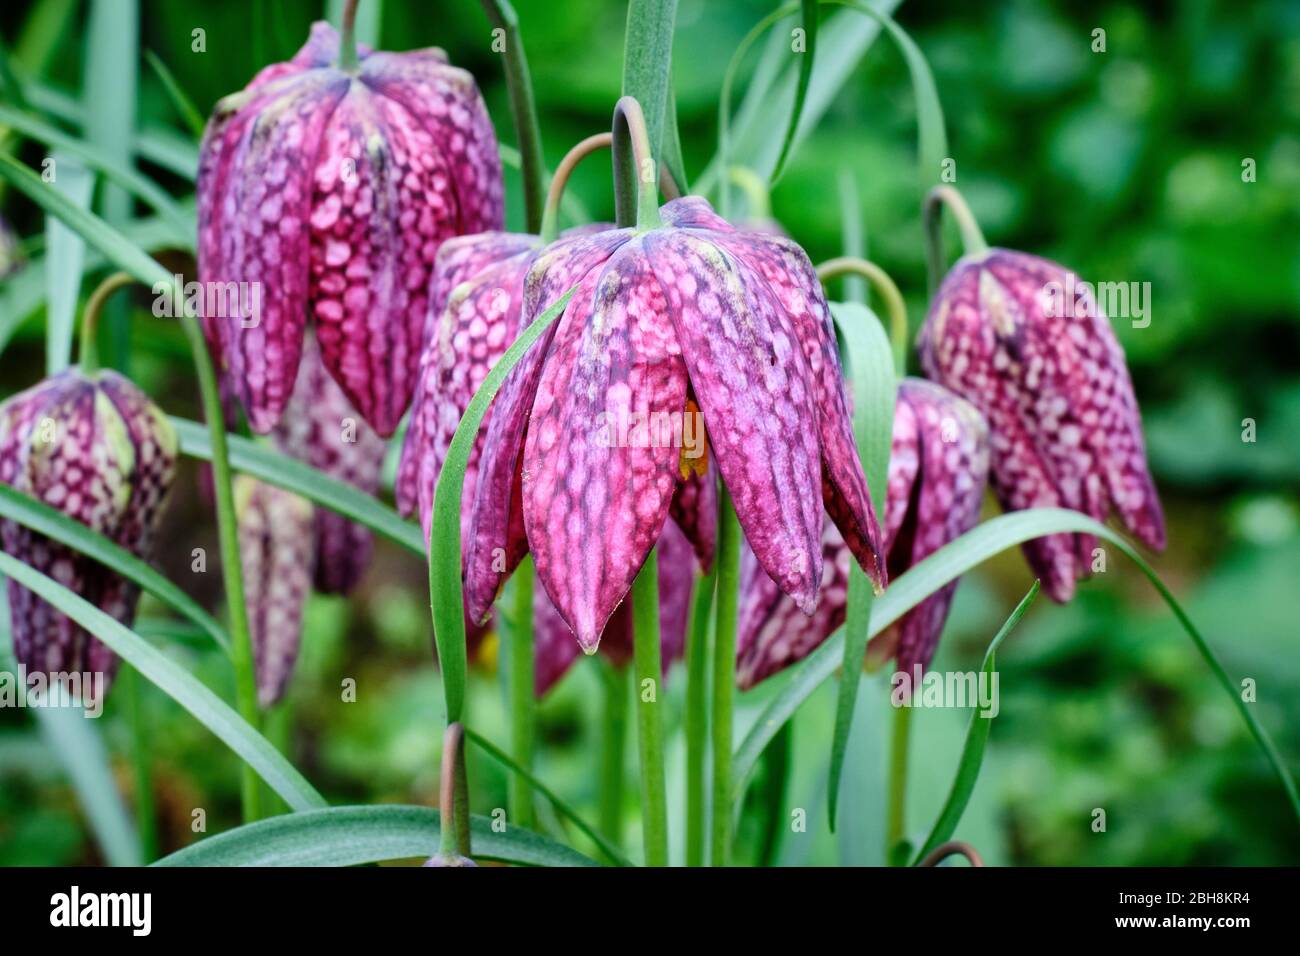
[
  {"x": 938, "y": 466},
  {"x": 556, "y": 650},
  {"x": 321, "y": 427},
  {"x": 1050, "y": 377},
  {"x": 98, "y": 450},
  {"x": 328, "y": 192},
  {"x": 275, "y": 550},
  {"x": 693, "y": 312}
]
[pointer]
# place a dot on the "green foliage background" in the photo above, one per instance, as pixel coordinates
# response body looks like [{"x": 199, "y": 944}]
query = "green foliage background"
[{"x": 1125, "y": 165}]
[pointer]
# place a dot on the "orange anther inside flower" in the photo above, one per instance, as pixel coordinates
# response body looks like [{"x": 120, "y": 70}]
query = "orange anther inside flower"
[{"x": 695, "y": 443}]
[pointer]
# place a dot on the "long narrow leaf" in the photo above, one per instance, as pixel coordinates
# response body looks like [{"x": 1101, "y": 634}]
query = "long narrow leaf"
[
  {"x": 870, "y": 360},
  {"x": 64, "y": 255},
  {"x": 647, "y": 69},
  {"x": 274, "y": 468},
  {"x": 972, "y": 754},
  {"x": 177, "y": 683},
  {"x": 949, "y": 563},
  {"x": 180, "y": 99},
  {"x": 808, "y": 12},
  {"x": 351, "y": 836},
  {"x": 41, "y": 518}
]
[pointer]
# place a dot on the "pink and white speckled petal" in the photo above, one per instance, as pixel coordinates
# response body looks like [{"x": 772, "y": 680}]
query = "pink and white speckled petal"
[
  {"x": 600, "y": 462},
  {"x": 694, "y": 212},
  {"x": 751, "y": 379}
]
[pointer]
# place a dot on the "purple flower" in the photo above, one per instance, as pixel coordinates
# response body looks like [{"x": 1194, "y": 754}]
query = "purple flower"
[
  {"x": 328, "y": 192},
  {"x": 275, "y": 551},
  {"x": 98, "y": 450},
  {"x": 1047, "y": 372},
  {"x": 938, "y": 465},
  {"x": 555, "y": 650},
  {"x": 320, "y": 427},
  {"x": 576, "y": 453}
]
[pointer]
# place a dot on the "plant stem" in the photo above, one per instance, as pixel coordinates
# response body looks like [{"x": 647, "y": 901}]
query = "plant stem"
[
  {"x": 550, "y": 227},
  {"x": 895, "y": 307},
  {"x": 755, "y": 190},
  {"x": 613, "y": 736},
  {"x": 523, "y": 110},
  {"x": 241, "y": 645},
  {"x": 636, "y": 196},
  {"x": 896, "y": 813},
  {"x": 697, "y": 717},
  {"x": 146, "y": 817},
  {"x": 972, "y": 239},
  {"x": 724, "y": 671},
  {"x": 645, "y": 641},
  {"x": 453, "y": 792},
  {"x": 523, "y": 702},
  {"x": 88, "y": 357},
  {"x": 348, "y": 37}
]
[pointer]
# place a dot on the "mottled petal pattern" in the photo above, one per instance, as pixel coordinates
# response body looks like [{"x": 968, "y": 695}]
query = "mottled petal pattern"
[
  {"x": 275, "y": 551},
  {"x": 1043, "y": 365}
]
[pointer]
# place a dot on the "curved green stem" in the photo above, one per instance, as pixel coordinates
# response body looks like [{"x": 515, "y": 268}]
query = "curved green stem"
[
  {"x": 724, "y": 674},
  {"x": 896, "y": 809},
  {"x": 697, "y": 714},
  {"x": 523, "y": 702},
  {"x": 241, "y": 645},
  {"x": 613, "y": 736},
  {"x": 523, "y": 110},
  {"x": 755, "y": 190},
  {"x": 646, "y": 657},
  {"x": 972, "y": 239},
  {"x": 348, "y": 37},
  {"x": 88, "y": 357},
  {"x": 895, "y": 307},
  {"x": 636, "y": 198}
]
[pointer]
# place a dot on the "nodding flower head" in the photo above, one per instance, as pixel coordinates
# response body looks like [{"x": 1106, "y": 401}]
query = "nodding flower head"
[
  {"x": 671, "y": 330},
  {"x": 95, "y": 448},
  {"x": 1028, "y": 346},
  {"x": 321, "y": 427},
  {"x": 327, "y": 193},
  {"x": 938, "y": 466}
]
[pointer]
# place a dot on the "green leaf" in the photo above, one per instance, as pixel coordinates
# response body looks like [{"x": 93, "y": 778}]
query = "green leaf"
[
  {"x": 65, "y": 253},
  {"x": 41, "y": 518},
  {"x": 182, "y": 686},
  {"x": 282, "y": 471},
  {"x": 153, "y": 195},
  {"x": 184, "y": 105},
  {"x": 869, "y": 358},
  {"x": 446, "y": 590},
  {"x": 562, "y": 808},
  {"x": 351, "y": 836},
  {"x": 972, "y": 754},
  {"x": 949, "y": 563},
  {"x": 647, "y": 73},
  {"x": 808, "y": 18}
]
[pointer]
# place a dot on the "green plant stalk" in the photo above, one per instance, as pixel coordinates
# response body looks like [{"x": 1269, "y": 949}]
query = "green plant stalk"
[
  {"x": 523, "y": 110},
  {"x": 697, "y": 714},
  {"x": 895, "y": 307},
  {"x": 896, "y": 805},
  {"x": 972, "y": 239},
  {"x": 613, "y": 739},
  {"x": 241, "y": 643},
  {"x": 646, "y": 659},
  {"x": 636, "y": 177},
  {"x": 523, "y": 702},
  {"x": 348, "y": 37},
  {"x": 724, "y": 675},
  {"x": 146, "y": 817}
]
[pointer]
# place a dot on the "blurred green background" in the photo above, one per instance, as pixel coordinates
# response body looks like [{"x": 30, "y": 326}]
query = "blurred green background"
[{"x": 1125, "y": 165}]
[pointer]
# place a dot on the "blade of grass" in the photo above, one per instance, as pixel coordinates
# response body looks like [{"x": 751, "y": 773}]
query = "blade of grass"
[
  {"x": 64, "y": 258},
  {"x": 180, "y": 99}
]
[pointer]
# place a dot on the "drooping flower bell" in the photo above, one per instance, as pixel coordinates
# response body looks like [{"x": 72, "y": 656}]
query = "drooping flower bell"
[
  {"x": 938, "y": 466},
  {"x": 276, "y": 554},
  {"x": 1015, "y": 335},
  {"x": 555, "y": 650},
  {"x": 95, "y": 448},
  {"x": 585, "y": 451},
  {"x": 328, "y": 191},
  {"x": 321, "y": 428}
]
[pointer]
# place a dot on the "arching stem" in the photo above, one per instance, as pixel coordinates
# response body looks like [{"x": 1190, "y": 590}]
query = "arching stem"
[
  {"x": 972, "y": 239},
  {"x": 636, "y": 197},
  {"x": 895, "y": 307},
  {"x": 348, "y": 37},
  {"x": 952, "y": 848},
  {"x": 560, "y": 179},
  {"x": 88, "y": 357},
  {"x": 755, "y": 190}
]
